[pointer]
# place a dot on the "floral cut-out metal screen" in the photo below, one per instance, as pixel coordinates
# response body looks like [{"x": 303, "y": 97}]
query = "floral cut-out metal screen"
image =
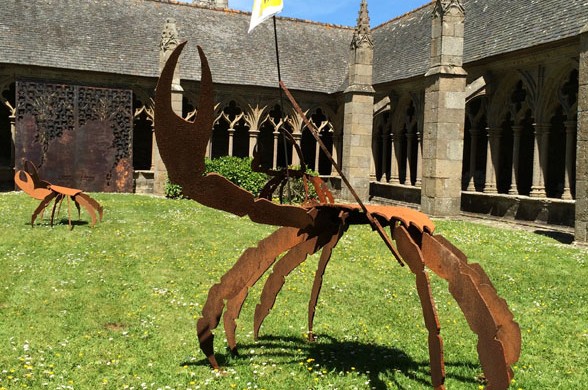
[{"x": 78, "y": 136}]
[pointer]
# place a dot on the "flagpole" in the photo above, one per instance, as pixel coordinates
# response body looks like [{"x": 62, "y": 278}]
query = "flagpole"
[
  {"x": 288, "y": 189},
  {"x": 278, "y": 57}
]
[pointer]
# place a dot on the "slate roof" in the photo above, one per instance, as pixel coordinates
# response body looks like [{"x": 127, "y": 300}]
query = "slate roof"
[
  {"x": 402, "y": 46},
  {"x": 492, "y": 27},
  {"x": 123, "y": 36}
]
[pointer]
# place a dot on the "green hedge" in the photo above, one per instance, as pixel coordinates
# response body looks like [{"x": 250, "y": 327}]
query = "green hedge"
[{"x": 238, "y": 170}]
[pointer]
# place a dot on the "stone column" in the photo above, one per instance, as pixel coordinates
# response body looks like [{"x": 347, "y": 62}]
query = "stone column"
[
  {"x": 253, "y": 134},
  {"x": 419, "y": 160},
  {"x": 209, "y": 148},
  {"x": 473, "y": 157},
  {"x": 394, "y": 178},
  {"x": 516, "y": 157},
  {"x": 374, "y": 147},
  {"x": 581, "y": 225},
  {"x": 276, "y": 142},
  {"x": 539, "y": 160},
  {"x": 410, "y": 138},
  {"x": 444, "y": 112},
  {"x": 336, "y": 145},
  {"x": 12, "y": 118},
  {"x": 492, "y": 160},
  {"x": 231, "y": 132},
  {"x": 295, "y": 158},
  {"x": 570, "y": 158},
  {"x": 384, "y": 163},
  {"x": 317, "y": 153},
  {"x": 169, "y": 41},
  {"x": 359, "y": 107}
]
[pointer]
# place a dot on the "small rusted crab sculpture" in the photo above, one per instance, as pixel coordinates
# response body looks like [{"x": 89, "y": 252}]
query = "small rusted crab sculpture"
[
  {"x": 28, "y": 180},
  {"x": 318, "y": 226}
]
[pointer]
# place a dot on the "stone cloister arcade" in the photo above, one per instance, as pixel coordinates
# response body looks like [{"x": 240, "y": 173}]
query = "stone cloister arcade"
[
  {"x": 241, "y": 125},
  {"x": 519, "y": 138},
  {"x": 397, "y": 142}
]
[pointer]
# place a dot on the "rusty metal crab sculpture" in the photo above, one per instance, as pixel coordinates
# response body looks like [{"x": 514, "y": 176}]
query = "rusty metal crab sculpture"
[
  {"x": 28, "y": 180},
  {"x": 318, "y": 226}
]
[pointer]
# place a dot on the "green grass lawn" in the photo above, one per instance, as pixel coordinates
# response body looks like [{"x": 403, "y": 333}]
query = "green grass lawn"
[{"x": 115, "y": 306}]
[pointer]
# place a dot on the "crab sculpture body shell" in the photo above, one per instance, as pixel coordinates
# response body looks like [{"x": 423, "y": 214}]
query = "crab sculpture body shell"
[{"x": 308, "y": 229}]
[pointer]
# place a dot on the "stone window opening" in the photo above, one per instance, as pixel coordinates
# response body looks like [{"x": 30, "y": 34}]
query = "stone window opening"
[
  {"x": 142, "y": 137},
  {"x": 229, "y": 135},
  {"x": 314, "y": 157},
  {"x": 406, "y": 147},
  {"x": 475, "y": 150},
  {"x": 382, "y": 147}
]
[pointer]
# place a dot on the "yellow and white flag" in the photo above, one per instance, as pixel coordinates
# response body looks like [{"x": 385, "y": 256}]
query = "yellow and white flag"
[{"x": 262, "y": 10}]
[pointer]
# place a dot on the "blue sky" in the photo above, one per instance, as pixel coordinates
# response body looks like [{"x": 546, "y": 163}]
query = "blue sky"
[{"x": 342, "y": 12}]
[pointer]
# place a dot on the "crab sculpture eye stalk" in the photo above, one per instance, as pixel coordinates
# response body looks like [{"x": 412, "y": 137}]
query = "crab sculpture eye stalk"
[{"x": 313, "y": 227}]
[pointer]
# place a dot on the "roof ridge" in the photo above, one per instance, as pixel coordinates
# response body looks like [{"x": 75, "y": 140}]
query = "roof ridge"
[
  {"x": 184, "y": 3},
  {"x": 236, "y": 11},
  {"x": 404, "y": 15}
]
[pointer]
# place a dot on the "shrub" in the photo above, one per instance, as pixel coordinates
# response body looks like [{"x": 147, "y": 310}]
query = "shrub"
[
  {"x": 173, "y": 191},
  {"x": 297, "y": 188},
  {"x": 238, "y": 170}
]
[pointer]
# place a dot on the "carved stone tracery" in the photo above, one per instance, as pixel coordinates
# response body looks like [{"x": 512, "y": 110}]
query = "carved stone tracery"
[{"x": 448, "y": 7}]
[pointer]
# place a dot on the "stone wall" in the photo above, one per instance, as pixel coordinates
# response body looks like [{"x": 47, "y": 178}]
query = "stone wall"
[
  {"x": 444, "y": 113},
  {"x": 582, "y": 145}
]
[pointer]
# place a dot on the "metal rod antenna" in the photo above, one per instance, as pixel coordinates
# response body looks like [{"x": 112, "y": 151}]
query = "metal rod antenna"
[{"x": 373, "y": 221}]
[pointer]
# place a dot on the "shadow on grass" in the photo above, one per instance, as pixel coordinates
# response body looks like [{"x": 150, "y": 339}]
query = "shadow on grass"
[
  {"x": 372, "y": 360},
  {"x": 562, "y": 237},
  {"x": 57, "y": 222}
]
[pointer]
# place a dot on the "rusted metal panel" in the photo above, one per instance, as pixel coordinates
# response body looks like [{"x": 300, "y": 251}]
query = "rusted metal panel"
[{"x": 78, "y": 136}]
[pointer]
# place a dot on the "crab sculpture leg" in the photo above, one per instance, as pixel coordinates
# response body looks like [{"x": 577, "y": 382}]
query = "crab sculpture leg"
[
  {"x": 498, "y": 334},
  {"x": 276, "y": 280},
  {"x": 318, "y": 278},
  {"x": 315, "y": 227},
  {"x": 250, "y": 266},
  {"x": 324, "y": 235}
]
